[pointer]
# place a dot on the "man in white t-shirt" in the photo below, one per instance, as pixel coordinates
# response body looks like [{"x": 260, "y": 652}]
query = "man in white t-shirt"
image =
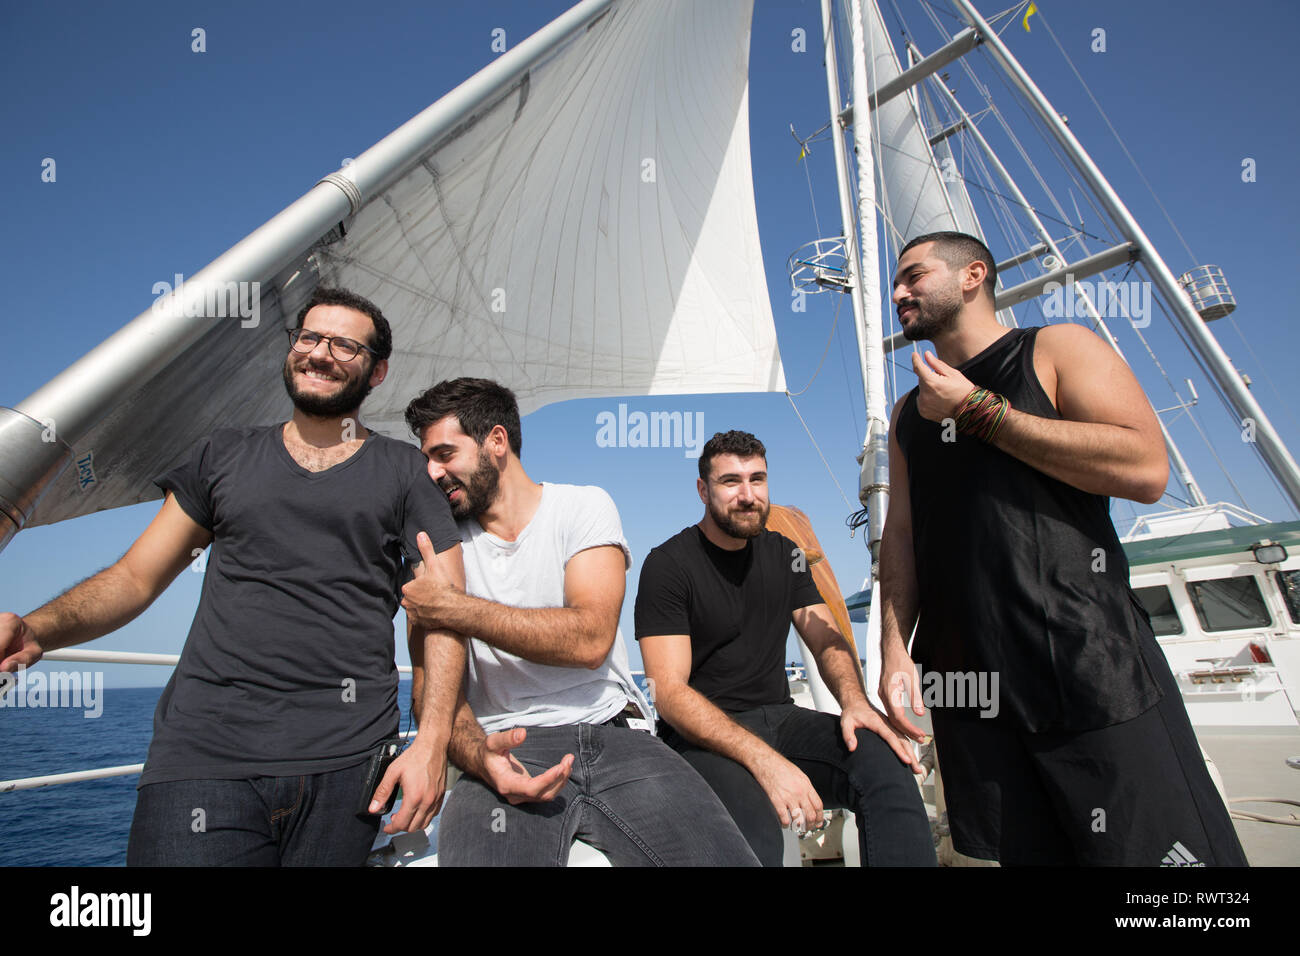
[{"x": 551, "y": 731}]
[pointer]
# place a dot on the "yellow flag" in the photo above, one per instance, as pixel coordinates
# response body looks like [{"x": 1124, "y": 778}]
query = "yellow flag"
[
  {"x": 803, "y": 151},
  {"x": 1033, "y": 8}
]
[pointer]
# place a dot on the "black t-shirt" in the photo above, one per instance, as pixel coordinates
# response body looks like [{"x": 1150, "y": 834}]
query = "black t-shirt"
[
  {"x": 289, "y": 664},
  {"x": 736, "y": 607}
]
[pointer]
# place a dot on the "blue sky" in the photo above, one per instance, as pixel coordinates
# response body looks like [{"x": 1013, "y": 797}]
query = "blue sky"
[{"x": 165, "y": 158}]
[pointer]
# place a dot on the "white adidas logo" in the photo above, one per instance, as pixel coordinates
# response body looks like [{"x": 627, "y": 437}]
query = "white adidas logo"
[{"x": 1179, "y": 855}]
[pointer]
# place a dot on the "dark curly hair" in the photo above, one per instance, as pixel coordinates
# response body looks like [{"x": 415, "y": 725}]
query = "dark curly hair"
[
  {"x": 478, "y": 404},
  {"x": 959, "y": 250},
  {"x": 740, "y": 444}
]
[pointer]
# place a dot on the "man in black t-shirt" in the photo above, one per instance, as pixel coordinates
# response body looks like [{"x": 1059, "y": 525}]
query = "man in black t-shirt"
[
  {"x": 286, "y": 685},
  {"x": 713, "y": 610}
]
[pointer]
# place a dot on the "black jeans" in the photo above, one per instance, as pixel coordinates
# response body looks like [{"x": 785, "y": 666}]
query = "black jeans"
[
  {"x": 306, "y": 820},
  {"x": 893, "y": 829}
]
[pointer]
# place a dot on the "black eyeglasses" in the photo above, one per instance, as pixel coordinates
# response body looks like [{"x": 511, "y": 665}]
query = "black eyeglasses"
[{"x": 344, "y": 350}]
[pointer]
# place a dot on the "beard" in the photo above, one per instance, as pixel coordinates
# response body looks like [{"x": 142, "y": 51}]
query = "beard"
[
  {"x": 731, "y": 524},
  {"x": 935, "y": 317},
  {"x": 347, "y": 399},
  {"x": 478, "y": 495}
]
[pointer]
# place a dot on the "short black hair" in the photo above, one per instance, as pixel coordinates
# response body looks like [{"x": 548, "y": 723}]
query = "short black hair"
[
  {"x": 740, "y": 444},
  {"x": 381, "y": 341},
  {"x": 959, "y": 250},
  {"x": 479, "y": 404}
]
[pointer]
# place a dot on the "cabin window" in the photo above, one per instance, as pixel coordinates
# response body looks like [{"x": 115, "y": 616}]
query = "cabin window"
[
  {"x": 1229, "y": 604},
  {"x": 1160, "y": 607},
  {"x": 1288, "y": 582}
]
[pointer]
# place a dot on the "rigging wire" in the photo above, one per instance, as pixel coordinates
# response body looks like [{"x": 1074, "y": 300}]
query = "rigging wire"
[
  {"x": 834, "y": 322},
  {"x": 1109, "y": 125},
  {"x": 1078, "y": 238},
  {"x": 1196, "y": 358},
  {"x": 1281, "y": 402},
  {"x": 819, "y": 450}
]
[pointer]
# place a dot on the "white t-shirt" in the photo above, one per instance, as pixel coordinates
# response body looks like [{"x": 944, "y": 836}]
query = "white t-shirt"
[{"x": 507, "y": 691}]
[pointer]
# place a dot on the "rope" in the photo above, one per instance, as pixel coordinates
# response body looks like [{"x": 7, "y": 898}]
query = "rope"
[
  {"x": 826, "y": 351},
  {"x": 847, "y": 503},
  {"x": 1292, "y": 821}
]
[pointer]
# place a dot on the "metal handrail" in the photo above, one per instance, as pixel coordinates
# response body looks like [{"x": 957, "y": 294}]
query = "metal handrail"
[{"x": 124, "y": 770}]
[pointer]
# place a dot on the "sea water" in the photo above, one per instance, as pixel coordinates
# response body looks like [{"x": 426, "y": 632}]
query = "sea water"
[{"x": 87, "y": 823}]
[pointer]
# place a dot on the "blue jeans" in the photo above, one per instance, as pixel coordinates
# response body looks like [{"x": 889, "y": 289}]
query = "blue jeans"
[
  {"x": 893, "y": 829},
  {"x": 308, "y": 820},
  {"x": 629, "y": 796}
]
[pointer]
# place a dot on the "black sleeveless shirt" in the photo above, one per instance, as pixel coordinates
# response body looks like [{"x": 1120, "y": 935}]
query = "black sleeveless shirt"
[{"x": 1020, "y": 574}]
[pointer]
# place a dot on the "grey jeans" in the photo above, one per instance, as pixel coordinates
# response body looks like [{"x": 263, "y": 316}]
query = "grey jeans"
[{"x": 629, "y": 796}]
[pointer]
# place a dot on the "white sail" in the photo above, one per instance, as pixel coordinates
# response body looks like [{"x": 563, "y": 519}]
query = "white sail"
[
  {"x": 911, "y": 178},
  {"x": 591, "y": 231}
]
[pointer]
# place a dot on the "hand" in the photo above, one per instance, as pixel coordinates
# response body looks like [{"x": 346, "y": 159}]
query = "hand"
[
  {"x": 860, "y": 713},
  {"x": 431, "y": 593},
  {"x": 898, "y": 678},
  {"x": 942, "y": 388},
  {"x": 791, "y": 793},
  {"x": 507, "y": 776},
  {"x": 18, "y": 646},
  {"x": 422, "y": 774}
]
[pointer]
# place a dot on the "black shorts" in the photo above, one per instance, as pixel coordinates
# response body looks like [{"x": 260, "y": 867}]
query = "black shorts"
[{"x": 1134, "y": 794}]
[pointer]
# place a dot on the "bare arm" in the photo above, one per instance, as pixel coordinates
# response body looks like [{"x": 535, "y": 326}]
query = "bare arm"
[
  {"x": 110, "y": 599},
  {"x": 897, "y": 592},
  {"x": 835, "y": 660},
  {"x": 437, "y": 652},
  {"x": 579, "y": 634},
  {"x": 1107, "y": 441},
  {"x": 839, "y": 668},
  {"x": 488, "y": 757}
]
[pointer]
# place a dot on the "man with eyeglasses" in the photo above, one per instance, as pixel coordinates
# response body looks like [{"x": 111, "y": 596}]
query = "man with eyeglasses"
[{"x": 286, "y": 686}]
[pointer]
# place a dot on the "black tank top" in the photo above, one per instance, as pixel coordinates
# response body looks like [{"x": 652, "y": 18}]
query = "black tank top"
[{"x": 1020, "y": 574}]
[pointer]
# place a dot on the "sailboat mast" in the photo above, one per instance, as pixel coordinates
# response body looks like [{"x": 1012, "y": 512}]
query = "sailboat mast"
[
  {"x": 39, "y": 435},
  {"x": 863, "y": 275},
  {"x": 873, "y": 482},
  {"x": 1254, "y": 422},
  {"x": 1181, "y": 467}
]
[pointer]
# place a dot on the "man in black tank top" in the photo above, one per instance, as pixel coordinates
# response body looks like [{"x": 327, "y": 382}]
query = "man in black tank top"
[{"x": 999, "y": 549}]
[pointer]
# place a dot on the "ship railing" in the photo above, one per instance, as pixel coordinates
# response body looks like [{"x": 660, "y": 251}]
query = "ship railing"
[
  {"x": 125, "y": 770},
  {"x": 1226, "y": 508}
]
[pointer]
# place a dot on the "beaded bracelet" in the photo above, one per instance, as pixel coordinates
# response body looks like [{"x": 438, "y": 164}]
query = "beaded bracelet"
[{"x": 981, "y": 414}]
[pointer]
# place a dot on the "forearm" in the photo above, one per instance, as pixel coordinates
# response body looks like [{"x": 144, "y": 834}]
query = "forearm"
[
  {"x": 436, "y": 689},
  {"x": 706, "y": 725},
  {"x": 839, "y": 669},
  {"x": 98, "y": 605},
  {"x": 562, "y": 636},
  {"x": 468, "y": 741},
  {"x": 896, "y": 586},
  {"x": 1097, "y": 458}
]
